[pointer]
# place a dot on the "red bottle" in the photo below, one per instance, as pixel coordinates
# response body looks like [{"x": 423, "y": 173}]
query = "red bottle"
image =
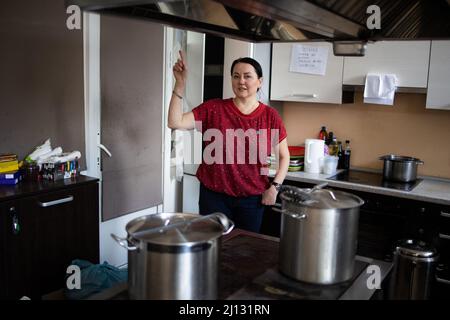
[{"x": 323, "y": 135}]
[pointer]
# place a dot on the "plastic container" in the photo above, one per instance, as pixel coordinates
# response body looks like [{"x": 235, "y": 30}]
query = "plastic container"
[
  {"x": 31, "y": 172},
  {"x": 330, "y": 164}
]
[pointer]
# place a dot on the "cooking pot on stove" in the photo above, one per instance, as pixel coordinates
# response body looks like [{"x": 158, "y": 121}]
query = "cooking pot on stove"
[
  {"x": 319, "y": 229},
  {"x": 174, "y": 255},
  {"x": 400, "y": 168}
]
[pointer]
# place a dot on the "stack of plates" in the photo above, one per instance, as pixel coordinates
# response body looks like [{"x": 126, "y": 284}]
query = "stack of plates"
[{"x": 297, "y": 158}]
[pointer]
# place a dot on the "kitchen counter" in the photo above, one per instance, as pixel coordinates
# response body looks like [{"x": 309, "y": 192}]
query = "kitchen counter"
[
  {"x": 249, "y": 270},
  {"x": 28, "y": 188},
  {"x": 428, "y": 190}
]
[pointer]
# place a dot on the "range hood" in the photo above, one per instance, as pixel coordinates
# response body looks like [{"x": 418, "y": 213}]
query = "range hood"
[{"x": 289, "y": 20}]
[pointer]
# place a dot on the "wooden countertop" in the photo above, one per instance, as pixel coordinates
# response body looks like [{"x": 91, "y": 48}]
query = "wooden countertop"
[{"x": 27, "y": 188}]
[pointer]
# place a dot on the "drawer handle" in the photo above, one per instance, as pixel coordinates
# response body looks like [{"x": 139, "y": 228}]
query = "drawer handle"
[
  {"x": 444, "y": 236},
  {"x": 55, "y": 202},
  {"x": 442, "y": 280},
  {"x": 445, "y": 214},
  {"x": 15, "y": 221},
  {"x": 301, "y": 95}
]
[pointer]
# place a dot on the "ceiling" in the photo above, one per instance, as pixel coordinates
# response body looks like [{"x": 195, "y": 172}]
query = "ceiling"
[{"x": 289, "y": 20}]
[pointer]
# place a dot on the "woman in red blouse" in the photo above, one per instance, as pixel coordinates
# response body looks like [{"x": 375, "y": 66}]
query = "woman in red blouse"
[{"x": 238, "y": 135}]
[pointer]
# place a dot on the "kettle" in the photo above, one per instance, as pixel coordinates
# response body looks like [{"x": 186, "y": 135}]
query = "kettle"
[{"x": 314, "y": 154}]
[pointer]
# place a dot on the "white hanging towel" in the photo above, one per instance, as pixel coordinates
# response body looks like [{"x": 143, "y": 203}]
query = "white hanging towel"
[{"x": 380, "y": 88}]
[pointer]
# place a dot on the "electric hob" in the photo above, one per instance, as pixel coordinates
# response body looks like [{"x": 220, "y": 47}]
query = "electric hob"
[{"x": 373, "y": 179}]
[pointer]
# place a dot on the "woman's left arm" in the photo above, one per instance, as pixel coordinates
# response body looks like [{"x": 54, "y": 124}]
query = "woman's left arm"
[{"x": 270, "y": 195}]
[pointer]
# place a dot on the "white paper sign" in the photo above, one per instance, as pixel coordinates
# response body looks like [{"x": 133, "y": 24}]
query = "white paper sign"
[{"x": 309, "y": 59}]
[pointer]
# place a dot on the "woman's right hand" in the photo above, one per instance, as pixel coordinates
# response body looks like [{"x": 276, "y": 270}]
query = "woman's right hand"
[{"x": 180, "y": 70}]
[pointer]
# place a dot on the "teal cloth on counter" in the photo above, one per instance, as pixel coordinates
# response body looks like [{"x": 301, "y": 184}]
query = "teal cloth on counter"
[{"x": 95, "y": 278}]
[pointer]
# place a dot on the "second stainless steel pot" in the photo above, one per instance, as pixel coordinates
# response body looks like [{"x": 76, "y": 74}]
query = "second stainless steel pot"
[
  {"x": 400, "y": 168},
  {"x": 174, "y": 256},
  {"x": 318, "y": 235}
]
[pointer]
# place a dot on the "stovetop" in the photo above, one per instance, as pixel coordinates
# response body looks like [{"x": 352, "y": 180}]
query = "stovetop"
[
  {"x": 241, "y": 278},
  {"x": 373, "y": 179},
  {"x": 274, "y": 285}
]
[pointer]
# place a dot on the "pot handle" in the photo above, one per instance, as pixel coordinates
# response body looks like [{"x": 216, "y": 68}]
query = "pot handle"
[
  {"x": 226, "y": 223},
  {"x": 331, "y": 194},
  {"x": 279, "y": 210},
  {"x": 318, "y": 187},
  {"x": 419, "y": 162},
  {"x": 276, "y": 206},
  {"x": 299, "y": 216},
  {"x": 123, "y": 242},
  {"x": 293, "y": 215}
]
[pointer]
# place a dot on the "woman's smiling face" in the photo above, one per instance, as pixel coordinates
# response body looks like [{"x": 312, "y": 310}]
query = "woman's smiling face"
[{"x": 244, "y": 80}]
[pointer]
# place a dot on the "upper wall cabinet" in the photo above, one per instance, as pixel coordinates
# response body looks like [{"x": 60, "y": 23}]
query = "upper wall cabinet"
[
  {"x": 408, "y": 60},
  {"x": 438, "y": 94},
  {"x": 296, "y": 86},
  {"x": 234, "y": 49}
]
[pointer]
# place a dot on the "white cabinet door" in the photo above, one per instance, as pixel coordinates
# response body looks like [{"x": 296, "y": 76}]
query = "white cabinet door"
[
  {"x": 408, "y": 60},
  {"x": 234, "y": 49},
  {"x": 295, "y": 86},
  {"x": 438, "y": 94}
]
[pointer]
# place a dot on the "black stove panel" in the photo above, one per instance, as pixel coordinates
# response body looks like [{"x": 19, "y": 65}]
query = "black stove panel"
[
  {"x": 274, "y": 285},
  {"x": 373, "y": 179}
]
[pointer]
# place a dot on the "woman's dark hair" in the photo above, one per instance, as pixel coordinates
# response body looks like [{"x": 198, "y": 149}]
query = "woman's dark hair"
[{"x": 251, "y": 61}]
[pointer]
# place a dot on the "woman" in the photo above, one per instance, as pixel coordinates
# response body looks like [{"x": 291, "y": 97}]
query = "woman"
[{"x": 232, "y": 181}]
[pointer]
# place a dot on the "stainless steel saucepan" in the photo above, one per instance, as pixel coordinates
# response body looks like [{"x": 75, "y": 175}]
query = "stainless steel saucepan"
[{"x": 400, "y": 168}]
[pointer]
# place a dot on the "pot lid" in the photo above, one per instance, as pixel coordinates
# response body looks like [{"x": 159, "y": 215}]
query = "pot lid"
[
  {"x": 177, "y": 228},
  {"x": 393, "y": 157},
  {"x": 321, "y": 198},
  {"x": 415, "y": 248}
]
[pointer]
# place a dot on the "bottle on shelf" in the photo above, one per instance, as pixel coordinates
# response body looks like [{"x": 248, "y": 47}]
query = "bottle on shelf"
[
  {"x": 329, "y": 139},
  {"x": 340, "y": 155},
  {"x": 333, "y": 147},
  {"x": 323, "y": 135},
  {"x": 346, "y": 155}
]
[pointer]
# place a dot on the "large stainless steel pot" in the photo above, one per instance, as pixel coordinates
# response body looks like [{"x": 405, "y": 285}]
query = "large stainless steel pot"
[
  {"x": 400, "y": 168},
  {"x": 174, "y": 256},
  {"x": 319, "y": 230}
]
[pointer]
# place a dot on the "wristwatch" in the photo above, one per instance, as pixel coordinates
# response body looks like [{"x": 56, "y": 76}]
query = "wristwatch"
[{"x": 276, "y": 185}]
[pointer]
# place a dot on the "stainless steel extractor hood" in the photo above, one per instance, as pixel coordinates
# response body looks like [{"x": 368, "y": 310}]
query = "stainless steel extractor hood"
[{"x": 289, "y": 20}]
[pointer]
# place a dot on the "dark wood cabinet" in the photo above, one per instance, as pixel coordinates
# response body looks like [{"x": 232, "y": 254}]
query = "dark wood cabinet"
[{"x": 43, "y": 228}]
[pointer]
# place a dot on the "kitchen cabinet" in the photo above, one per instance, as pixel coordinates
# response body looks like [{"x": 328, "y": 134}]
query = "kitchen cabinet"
[
  {"x": 235, "y": 49},
  {"x": 438, "y": 94},
  {"x": 408, "y": 60},
  {"x": 443, "y": 268},
  {"x": 44, "y": 226},
  {"x": 295, "y": 86}
]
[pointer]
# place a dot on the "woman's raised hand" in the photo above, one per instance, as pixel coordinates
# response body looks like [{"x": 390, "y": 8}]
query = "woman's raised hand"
[{"x": 180, "y": 69}]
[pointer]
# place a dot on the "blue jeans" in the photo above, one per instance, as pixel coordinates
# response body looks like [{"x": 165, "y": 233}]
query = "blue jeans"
[{"x": 245, "y": 212}]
